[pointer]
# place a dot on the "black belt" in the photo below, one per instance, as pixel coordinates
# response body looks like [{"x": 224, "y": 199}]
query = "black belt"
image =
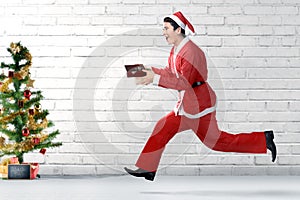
[{"x": 196, "y": 84}]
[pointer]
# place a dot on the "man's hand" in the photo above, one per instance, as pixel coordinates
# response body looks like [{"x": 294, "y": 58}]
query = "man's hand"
[{"x": 145, "y": 80}]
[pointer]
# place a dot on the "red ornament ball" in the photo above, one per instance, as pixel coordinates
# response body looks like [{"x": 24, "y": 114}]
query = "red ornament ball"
[
  {"x": 25, "y": 132},
  {"x": 10, "y": 74},
  {"x": 36, "y": 141},
  {"x": 31, "y": 111},
  {"x": 27, "y": 94},
  {"x": 43, "y": 151}
]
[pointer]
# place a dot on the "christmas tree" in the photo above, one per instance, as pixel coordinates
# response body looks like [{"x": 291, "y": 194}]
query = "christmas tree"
[{"x": 22, "y": 119}]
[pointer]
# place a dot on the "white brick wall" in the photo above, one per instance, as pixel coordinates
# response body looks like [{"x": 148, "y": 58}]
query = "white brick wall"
[{"x": 79, "y": 48}]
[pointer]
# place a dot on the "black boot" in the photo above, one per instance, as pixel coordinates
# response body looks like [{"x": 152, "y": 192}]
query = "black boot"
[
  {"x": 270, "y": 144},
  {"x": 141, "y": 173}
]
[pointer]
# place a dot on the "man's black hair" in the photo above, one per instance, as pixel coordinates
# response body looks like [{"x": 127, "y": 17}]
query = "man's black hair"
[{"x": 174, "y": 24}]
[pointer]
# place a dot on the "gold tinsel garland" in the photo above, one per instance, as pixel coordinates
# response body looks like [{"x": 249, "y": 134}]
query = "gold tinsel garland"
[
  {"x": 10, "y": 117},
  {"x": 4, "y": 87},
  {"x": 23, "y": 73},
  {"x": 23, "y": 146},
  {"x": 34, "y": 126}
]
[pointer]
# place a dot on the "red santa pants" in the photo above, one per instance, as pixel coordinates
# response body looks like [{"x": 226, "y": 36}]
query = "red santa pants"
[{"x": 206, "y": 128}]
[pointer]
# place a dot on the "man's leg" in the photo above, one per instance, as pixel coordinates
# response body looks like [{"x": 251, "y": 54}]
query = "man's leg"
[
  {"x": 208, "y": 132},
  {"x": 163, "y": 132}
]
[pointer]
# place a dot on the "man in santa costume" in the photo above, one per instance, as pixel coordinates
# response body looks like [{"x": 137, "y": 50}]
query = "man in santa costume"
[{"x": 196, "y": 107}]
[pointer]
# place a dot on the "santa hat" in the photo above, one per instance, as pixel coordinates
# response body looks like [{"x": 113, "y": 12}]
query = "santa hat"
[{"x": 183, "y": 22}]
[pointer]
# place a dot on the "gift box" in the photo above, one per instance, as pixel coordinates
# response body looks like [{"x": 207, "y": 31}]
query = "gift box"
[
  {"x": 29, "y": 171},
  {"x": 3, "y": 171},
  {"x": 135, "y": 70},
  {"x": 13, "y": 164},
  {"x": 4, "y": 165},
  {"x": 34, "y": 170}
]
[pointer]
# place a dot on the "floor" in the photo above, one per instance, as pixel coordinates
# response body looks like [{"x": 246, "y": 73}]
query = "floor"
[{"x": 164, "y": 187}]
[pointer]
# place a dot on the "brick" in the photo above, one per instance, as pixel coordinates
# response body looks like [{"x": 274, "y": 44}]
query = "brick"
[
  {"x": 241, "y": 2},
  {"x": 79, "y": 170},
  {"x": 207, "y": 41},
  {"x": 206, "y": 1},
  {"x": 71, "y": 2},
  {"x": 289, "y": 1},
  {"x": 270, "y": 20},
  {"x": 247, "y": 106},
  {"x": 89, "y": 10},
  {"x": 274, "y": 117},
  {"x": 289, "y": 160},
  {"x": 34, "y": 158},
  {"x": 35, "y": 2},
  {"x": 190, "y": 10},
  {"x": 270, "y": 52},
  {"x": 259, "y": 10},
  {"x": 51, "y": 51},
  {"x": 97, "y": 159},
  {"x": 222, "y": 31},
  {"x": 239, "y": 41},
  {"x": 22, "y": 31},
  {"x": 289, "y": 41},
  {"x": 63, "y": 158},
  {"x": 295, "y": 106},
  {"x": 219, "y": 10},
  {"x": 294, "y": 170},
  {"x": 245, "y": 127},
  {"x": 181, "y": 170},
  {"x": 273, "y": 73},
  {"x": 284, "y": 30},
  {"x": 14, "y": 2},
  {"x": 151, "y": 10},
  {"x": 137, "y": 41},
  {"x": 105, "y": 1},
  {"x": 55, "y": 10},
  {"x": 86, "y": 51},
  {"x": 286, "y": 10},
  {"x": 291, "y": 20},
  {"x": 39, "y": 21},
  {"x": 256, "y": 30},
  {"x": 54, "y": 41},
  {"x": 55, "y": 30},
  {"x": 277, "y": 106},
  {"x": 73, "y": 20},
  {"x": 225, "y": 52},
  {"x": 242, "y": 20},
  {"x": 204, "y": 20},
  {"x": 57, "y": 94},
  {"x": 106, "y": 20},
  {"x": 281, "y": 62},
  {"x": 139, "y": 1},
  {"x": 269, "y": 2},
  {"x": 51, "y": 170},
  {"x": 249, "y": 171},
  {"x": 215, "y": 170},
  {"x": 143, "y": 20},
  {"x": 28, "y": 10},
  {"x": 108, "y": 170},
  {"x": 122, "y": 10},
  {"x": 267, "y": 41}
]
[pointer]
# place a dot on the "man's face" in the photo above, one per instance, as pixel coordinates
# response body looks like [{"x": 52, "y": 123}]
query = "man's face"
[{"x": 169, "y": 32}]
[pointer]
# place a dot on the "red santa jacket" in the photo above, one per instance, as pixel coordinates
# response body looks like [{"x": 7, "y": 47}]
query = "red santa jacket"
[{"x": 184, "y": 68}]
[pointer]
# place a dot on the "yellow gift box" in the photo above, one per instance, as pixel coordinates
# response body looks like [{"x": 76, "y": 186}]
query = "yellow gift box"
[
  {"x": 3, "y": 171},
  {"x": 4, "y": 165}
]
